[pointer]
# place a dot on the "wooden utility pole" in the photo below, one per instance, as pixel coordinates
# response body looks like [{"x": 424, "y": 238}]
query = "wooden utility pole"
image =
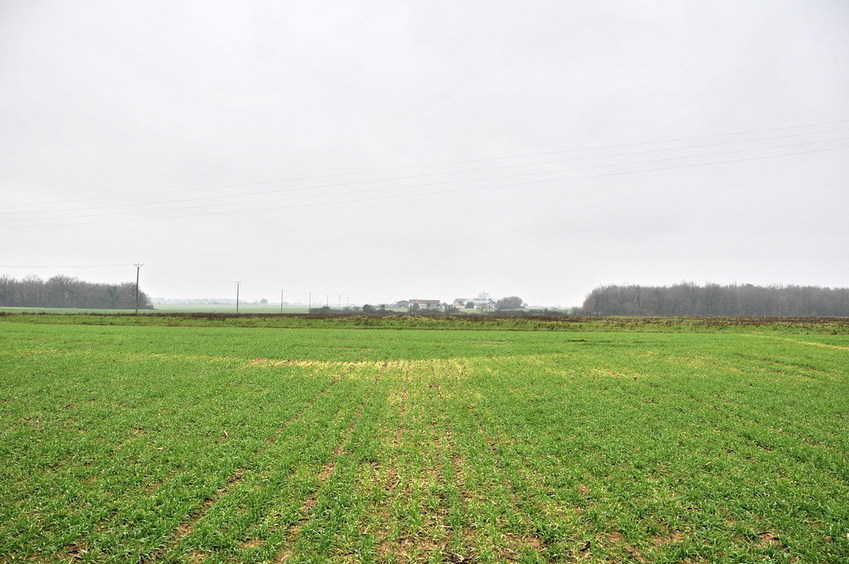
[
  {"x": 138, "y": 266},
  {"x": 281, "y": 301},
  {"x": 237, "y": 296}
]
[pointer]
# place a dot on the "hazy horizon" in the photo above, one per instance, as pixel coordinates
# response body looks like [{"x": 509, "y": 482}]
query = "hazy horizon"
[{"x": 391, "y": 150}]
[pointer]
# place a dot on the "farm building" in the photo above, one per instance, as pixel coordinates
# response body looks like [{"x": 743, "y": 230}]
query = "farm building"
[
  {"x": 425, "y": 304},
  {"x": 483, "y": 303}
]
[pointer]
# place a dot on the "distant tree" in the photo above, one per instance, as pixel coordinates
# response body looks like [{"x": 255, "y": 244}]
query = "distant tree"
[
  {"x": 470, "y": 305},
  {"x": 368, "y": 308},
  {"x": 510, "y": 302},
  {"x": 414, "y": 307},
  {"x": 263, "y": 301},
  {"x": 687, "y": 298},
  {"x": 64, "y": 291}
]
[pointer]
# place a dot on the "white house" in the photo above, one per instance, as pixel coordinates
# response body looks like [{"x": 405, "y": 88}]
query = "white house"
[{"x": 425, "y": 304}]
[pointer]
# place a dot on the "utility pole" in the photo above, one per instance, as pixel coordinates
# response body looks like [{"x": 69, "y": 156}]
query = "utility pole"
[
  {"x": 281, "y": 300},
  {"x": 309, "y": 303},
  {"x": 237, "y": 296},
  {"x": 340, "y": 302},
  {"x": 138, "y": 266}
]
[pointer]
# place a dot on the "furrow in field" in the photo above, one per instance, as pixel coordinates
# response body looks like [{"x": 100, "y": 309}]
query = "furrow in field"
[
  {"x": 455, "y": 466},
  {"x": 567, "y": 462},
  {"x": 712, "y": 383},
  {"x": 280, "y": 430},
  {"x": 441, "y": 535},
  {"x": 338, "y": 533},
  {"x": 511, "y": 531},
  {"x": 756, "y": 432},
  {"x": 418, "y": 516},
  {"x": 419, "y": 502},
  {"x": 308, "y": 505},
  {"x": 709, "y": 438},
  {"x": 187, "y": 526},
  {"x": 174, "y": 449},
  {"x": 249, "y": 524},
  {"x": 385, "y": 522},
  {"x": 808, "y": 343}
]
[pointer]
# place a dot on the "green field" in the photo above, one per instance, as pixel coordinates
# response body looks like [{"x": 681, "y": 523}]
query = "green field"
[
  {"x": 227, "y": 308},
  {"x": 167, "y": 308},
  {"x": 180, "y": 439}
]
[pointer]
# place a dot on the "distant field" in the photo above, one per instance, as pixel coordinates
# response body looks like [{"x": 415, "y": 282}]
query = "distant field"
[
  {"x": 63, "y": 310},
  {"x": 179, "y": 439},
  {"x": 227, "y": 308},
  {"x": 167, "y": 308}
]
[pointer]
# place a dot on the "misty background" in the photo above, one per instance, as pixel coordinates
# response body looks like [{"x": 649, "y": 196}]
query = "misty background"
[{"x": 380, "y": 151}]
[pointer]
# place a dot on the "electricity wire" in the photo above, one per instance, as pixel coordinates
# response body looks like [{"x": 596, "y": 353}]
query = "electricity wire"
[
  {"x": 466, "y": 161},
  {"x": 64, "y": 266},
  {"x": 475, "y": 188},
  {"x": 432, "y": 174}
]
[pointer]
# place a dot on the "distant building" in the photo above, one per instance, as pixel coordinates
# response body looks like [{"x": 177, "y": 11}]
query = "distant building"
[
  {"x": 484, "y": 303},
  {"x": 460, "y": 303},
  {"x": 425, "y": 304}
]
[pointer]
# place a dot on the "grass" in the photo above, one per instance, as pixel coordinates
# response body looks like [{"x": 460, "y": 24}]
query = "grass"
[
  {"x": 166, "y": 309},
  {"x": 227, "y": 308},
  {"x": 182, "y": 439},
  {"x": 572, "y": 323}
]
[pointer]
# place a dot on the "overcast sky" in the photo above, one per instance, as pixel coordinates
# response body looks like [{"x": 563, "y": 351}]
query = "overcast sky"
[{"x": 380, "y": 151}]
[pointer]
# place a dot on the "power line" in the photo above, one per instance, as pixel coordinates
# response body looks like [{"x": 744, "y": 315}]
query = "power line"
[
  {"x": 156, "y": 269},
  {"x": 475, "y": 188},
  {"x": 431, "y": 174},
  {"x": 63, "y": 266},
  {"x": 451, "y": 163},
  {"x": 457, "y": 181}
]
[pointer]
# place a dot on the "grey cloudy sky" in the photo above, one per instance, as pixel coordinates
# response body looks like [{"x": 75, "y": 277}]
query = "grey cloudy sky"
[{"x": 391, "y": 150}]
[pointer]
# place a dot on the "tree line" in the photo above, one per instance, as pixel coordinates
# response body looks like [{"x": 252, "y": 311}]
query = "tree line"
[
  {"x": 714, "y": 299},
  {"x": 64, "y": 291}
]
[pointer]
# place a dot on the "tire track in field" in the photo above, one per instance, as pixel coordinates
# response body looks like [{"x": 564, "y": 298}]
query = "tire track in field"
[
  {"x": 464, "y": 538},
  {"x": 712, "y": 425},
  {"x": 545, "y": 513},
  {"x": 703, "y": 407},
  {"x": 384, "y": 546},
  {"x": 434, "y": 479},
  {"x": 674, "y": 489},
  {"x": 808, "y": 343},
  {"x": 306, "y": 511},
  {"x": 437, "y": 519},
  {"x": 417, "y": 494},
  {"x": 801, "y": 430},
  {"x": 734, "y": 408},
  {"x": 514, "y": 545},
  {"x": 187, "y": 526}
]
